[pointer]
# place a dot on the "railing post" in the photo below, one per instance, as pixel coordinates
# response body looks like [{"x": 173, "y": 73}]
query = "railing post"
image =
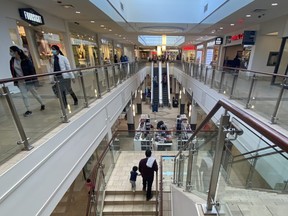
[
  {"x": 235, "y": 76},
  {"x": 274, "y": 118},
  {"x": 60, "y": 97},
  {"x": 248, "y": 105},
  {"x": 114, "y": 75},
  {"x": 208, "y": 209},
  {"x": 221, "y": 81},
  {"x": 83, "y": 89},
  {"x": 107, "y": 78},
  {"x": 24, "y": 138},
  {"x": 201, "y": 71},
  {"x": 174, "y": 173},
  {"x": 180, "y": 170},
  {"x": 98, "y": 84},
  {"x": 190, "y": 167},
  {"x": 205, "y": 78},
  {"x": 212, "y": 78}
]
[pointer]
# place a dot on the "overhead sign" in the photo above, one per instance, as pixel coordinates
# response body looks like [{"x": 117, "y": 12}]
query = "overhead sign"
[
  {"x": 249, "y": 37},
  {"x": 31, "y": 16},
  {"x": 218, "y": 41},
  {"x": 211, "y": 44},
  {"x": 199, "y": 47}
]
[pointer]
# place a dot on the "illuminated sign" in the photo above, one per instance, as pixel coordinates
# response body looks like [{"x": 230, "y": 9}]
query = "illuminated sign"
[
  {"x": 188, "y": 47},
  {"x": 237, "y": 37},
  {"x": 200, "y": 47},
  {"x": 31, "y": 16},
  {"x": 218, "y": 41},
  {"x": 211, "y": 44}
]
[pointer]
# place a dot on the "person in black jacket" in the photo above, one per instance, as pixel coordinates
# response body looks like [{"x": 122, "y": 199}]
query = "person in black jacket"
[
  {"x": 21, "y": 66},
  {"x": 147, "y": 167}
]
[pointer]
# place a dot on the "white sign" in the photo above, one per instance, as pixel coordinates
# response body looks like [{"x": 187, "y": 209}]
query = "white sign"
[
  {"x": 211, "y": 44},
  {"x": 199, "y": 47}
]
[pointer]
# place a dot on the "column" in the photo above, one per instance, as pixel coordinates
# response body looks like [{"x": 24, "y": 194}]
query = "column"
[
  {"x": 68, "y": 46},
  {"x": 130, "y": 121},
  {"x": 193, "y": 118}
]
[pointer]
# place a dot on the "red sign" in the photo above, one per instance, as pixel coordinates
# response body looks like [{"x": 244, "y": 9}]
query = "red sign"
[
  {"x": 188, "y": 47},
  {"x": 237, "y": 37}
]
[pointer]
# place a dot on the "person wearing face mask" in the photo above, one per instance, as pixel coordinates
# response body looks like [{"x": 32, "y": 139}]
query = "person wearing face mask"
[
  {"x": 21, "y": 66},
  {"x": 61, "y": 63}
]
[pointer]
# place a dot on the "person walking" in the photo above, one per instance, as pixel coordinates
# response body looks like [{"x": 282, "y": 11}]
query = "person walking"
[
  {"x": 133, "y": 177},
  {"x": 147, "y": 167},
  {"x": 21, "y": 66},
  {"x": 61, "y": 63}
]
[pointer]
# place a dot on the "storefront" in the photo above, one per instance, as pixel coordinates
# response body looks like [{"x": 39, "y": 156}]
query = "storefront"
[
  {"x": 212, "y": 53},
  {"x": 85, "y": 51},
  {"x": 189, "y": 53},
  {"x": 106, "y": 50},
  {"x": 118, "y": 51},
  {"x": 200, "y": 56},
  {"x": 238, "y": 49}
]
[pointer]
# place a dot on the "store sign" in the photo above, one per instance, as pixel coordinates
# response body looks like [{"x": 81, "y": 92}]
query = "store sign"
[
  {"x": 249, "y": 38},
  {"x": 31, "y": 16},
  {"x": 218, "y": 41},
  {"x": 104, "y": 41},
  {"x": 76, "y": 41},
  {"x": 199, "y": 47},
  {"x": 211, "y": 44},
  {"x": 237, "y": 37},
  {"x": 188, "y": 47}
]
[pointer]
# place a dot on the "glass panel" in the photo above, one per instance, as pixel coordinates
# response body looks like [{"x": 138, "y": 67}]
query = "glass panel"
[
  {"x": 8, "y": 130},
  {"x": 90, "y": 83},
  {"x": 283, "y": 64},
  {"x": 252, "y": 162},
  {"x": 242, "y": 87},
  {"x": 111, "y": 77},
  {"x": 102, "y": 80},
  {"x": 217, "y": 79},
  {"x": 117, "y": 74},
  {"x": 282, "y": 117},
  {"x": 202, "y": 163},
  {"x": 264, "y": 96}
]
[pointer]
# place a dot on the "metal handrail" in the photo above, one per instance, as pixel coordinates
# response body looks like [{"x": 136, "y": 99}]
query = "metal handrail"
[
  {"x": 161, "y": 187},
  {"x": 271, "y": 134}
]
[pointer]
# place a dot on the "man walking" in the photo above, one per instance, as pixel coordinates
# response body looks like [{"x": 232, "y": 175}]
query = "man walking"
[{"x": 147, "y": 167}]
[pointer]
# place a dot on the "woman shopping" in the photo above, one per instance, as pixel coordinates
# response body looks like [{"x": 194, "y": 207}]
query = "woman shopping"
[
  {"x": 21, "y": 66},
  {"x": 61, "y": 63}
]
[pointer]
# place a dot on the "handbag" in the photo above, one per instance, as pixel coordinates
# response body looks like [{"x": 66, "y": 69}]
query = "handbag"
[{"x": 55, "y": 90}]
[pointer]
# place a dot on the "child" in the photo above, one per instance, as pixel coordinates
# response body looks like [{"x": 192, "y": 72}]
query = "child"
[{"x": 133, "y": 176}]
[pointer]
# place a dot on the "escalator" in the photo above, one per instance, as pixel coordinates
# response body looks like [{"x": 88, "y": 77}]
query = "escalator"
[
  {"x": 165, "y": 87},
  {"x": 155, "y": 102}
]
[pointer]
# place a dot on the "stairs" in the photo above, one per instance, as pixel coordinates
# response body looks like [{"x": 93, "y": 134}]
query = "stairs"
[{"x": 128, "y": 203}]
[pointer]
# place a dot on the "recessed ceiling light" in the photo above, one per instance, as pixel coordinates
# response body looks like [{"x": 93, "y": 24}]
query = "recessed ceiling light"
[
  {"x": 248, "y": 15},
  {"x": 116, "y": 34},
  {"x": 221, "y": 28},
  {"x": 120, "y": 35},
  {"x": 102, "y": 26},
  {"x": 105, "y": 28},
  {"x": 78, "y": 12},
  {"x": 110, "y": 30},
  {"x": 67, "y": 6},
  {"x": 232, "y": 24},
  {"x": 92, "y": 21},
  {"x": 274, "y": 4},
  {"x": 124, "y": 38}
]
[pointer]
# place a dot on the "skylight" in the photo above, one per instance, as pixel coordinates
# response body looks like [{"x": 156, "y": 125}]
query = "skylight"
[{"x": 156, "y": 40}]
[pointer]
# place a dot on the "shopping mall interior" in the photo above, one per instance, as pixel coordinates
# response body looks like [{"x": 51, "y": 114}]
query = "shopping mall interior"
[{"x": 202, "y": 84}]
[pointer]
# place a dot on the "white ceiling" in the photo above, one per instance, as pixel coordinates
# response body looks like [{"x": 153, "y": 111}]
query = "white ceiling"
[{"x": 260, "y": 11}]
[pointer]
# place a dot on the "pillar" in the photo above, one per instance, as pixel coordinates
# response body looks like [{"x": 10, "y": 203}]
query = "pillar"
[
  {"x": 130, "y": 121},
  {"x": 193, "y": 118}
]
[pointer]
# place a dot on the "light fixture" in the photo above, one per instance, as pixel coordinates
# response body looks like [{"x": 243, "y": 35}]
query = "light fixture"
[
  {"x": 133, "y": 109},
  {"x": 190, "y": 108},
  {"x": 180, "y": 94},
  {"x": 248, "y": 15},
  {"x": 110, "y": 30},
  {"x": 274, "y": 4},
  {"x": 232, "y": 24},
  {"x": 102, "y": 26},
  {"x": 77, "y": 12},
  {"x": 92, "y": 21},
  {"x": 67, "y": 6},
  {"x": 221, "y": 28},
  {"x": 105, "y": 28}
]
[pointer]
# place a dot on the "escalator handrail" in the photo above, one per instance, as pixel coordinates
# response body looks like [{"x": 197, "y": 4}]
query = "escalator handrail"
[{"x": 271, "y": 134}]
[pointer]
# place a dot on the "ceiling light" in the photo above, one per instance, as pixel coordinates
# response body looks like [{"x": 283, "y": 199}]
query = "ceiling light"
[
  {"x": 67, "y": 6},
  {"x": 78, "y": 12},
  {"x": 221, "y": 28},
  {"x": 110, "y": 30},
  {"x": 232, "y": 24},
  {"x": 102, "y": 26},
  {"x": 248, "y": 15},
  {"x": 92, "y": 21},
  {"x": 124, "y": 38},
  {"x": 274, "y": 4}
]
